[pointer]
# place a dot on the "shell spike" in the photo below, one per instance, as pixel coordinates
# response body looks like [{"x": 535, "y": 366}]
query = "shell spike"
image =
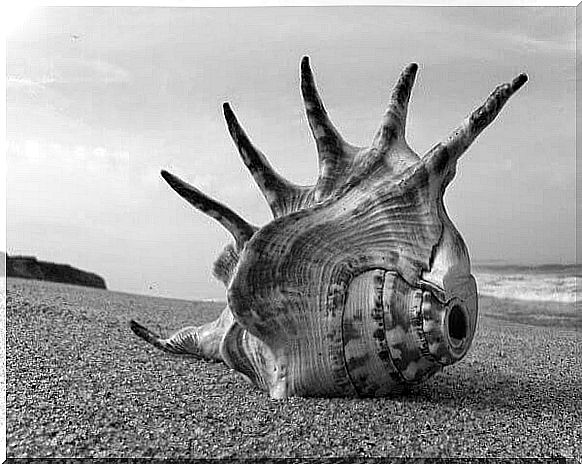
[
  {"x": 445, "y": 154},
  {"x": 154, "y": 339},
  {"x": 241, "y": 230},
  {"x": 393, "y": 124},
  {"x": 275, "y": 188},
  {"x": 202, "y": 342},
  {"x": 333, "y": 152},
  {"x": 326, "y": 135}
]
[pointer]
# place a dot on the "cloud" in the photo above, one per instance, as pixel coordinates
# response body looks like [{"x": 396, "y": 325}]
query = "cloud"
[
  {"x": 65, "y": 70},
  {"x": 22, "y": 82},
  {"x": 76, "y": 180},
  {"x": 100, "y": 72},
  {"x": 527, "y": 43}
]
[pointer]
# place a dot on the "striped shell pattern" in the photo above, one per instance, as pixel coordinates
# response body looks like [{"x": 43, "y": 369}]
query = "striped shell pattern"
[{"x": 361, "y": 284}]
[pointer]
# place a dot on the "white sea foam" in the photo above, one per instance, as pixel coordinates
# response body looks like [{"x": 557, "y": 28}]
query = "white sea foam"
[{"x": 529, "y": 284}]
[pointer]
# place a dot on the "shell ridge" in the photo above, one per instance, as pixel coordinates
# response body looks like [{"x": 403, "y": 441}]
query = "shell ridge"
[{"x": 359, "y": 279}]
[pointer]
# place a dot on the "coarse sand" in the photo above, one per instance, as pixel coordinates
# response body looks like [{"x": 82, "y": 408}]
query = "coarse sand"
[{"x": 80, "y": 384}]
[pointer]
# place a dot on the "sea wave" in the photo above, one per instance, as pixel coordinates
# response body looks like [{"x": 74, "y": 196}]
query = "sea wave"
[{"x": 534, "y": 284}]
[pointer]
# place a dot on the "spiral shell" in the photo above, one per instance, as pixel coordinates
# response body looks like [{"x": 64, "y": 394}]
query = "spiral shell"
[{"x": 361, "y": 284}]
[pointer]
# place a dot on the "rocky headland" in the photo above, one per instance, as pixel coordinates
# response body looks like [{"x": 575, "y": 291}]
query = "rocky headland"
[{"x": 28, "y": 267}]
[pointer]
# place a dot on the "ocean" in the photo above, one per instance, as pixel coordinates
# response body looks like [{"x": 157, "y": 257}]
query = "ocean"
[{"x": 549, "y": 282}]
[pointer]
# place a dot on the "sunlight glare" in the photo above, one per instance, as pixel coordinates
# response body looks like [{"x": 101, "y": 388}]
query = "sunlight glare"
[{"x": 14, "y": 14}]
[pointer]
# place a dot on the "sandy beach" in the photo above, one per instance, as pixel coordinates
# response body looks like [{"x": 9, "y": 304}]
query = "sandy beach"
[{"x": 80, "y": 384}]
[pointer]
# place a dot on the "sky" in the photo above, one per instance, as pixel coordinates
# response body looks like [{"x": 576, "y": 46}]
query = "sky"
[{"x": 100, "y": 99}]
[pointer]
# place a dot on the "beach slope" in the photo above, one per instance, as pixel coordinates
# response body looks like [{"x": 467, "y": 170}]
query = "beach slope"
[{"x": 80, "y": 384}]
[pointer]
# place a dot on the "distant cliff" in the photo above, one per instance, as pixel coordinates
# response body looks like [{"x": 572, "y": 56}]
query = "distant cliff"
[{"x": 28, "y": 267}]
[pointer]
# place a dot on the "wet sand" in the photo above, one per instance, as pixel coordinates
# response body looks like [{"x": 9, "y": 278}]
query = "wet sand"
[{"x": 80, "y": 384}]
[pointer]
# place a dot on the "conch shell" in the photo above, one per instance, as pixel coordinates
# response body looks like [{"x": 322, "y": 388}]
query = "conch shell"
[{"x": 361, "y": 284}]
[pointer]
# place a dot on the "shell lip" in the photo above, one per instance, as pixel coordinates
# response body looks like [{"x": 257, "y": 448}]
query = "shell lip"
[{"x": 457, "y": 330}]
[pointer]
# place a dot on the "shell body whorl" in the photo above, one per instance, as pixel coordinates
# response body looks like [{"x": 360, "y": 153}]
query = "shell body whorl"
[{"x": 361, "y": 284}]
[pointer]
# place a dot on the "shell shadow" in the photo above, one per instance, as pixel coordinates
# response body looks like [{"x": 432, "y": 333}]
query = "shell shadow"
[{"x": 480, "y": 389}]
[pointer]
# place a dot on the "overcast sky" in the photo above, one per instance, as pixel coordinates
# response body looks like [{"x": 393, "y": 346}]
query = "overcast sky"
[{"x": 100, "y": 99}]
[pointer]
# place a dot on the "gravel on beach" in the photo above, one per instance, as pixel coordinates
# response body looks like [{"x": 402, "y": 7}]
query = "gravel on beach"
[{"x": 80, "y": 384}]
